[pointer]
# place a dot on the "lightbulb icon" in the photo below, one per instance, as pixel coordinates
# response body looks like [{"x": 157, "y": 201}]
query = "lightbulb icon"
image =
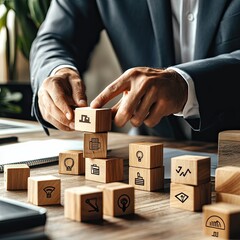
[
  {"x": 139, "y": 155},
  {"x": 69, "y": 163},
  {"x": 124, "y": 202},
  {"x": 49, "y": 190}
]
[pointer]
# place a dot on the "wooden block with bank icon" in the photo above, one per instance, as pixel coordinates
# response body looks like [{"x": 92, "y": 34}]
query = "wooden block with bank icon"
[
  {"x": 71, "y": 162},
  {"x": 95, "y": 145},
  {"x": 118, "y": 199},
  {"x": 16, "y": 176},
  {"x": 83, "y": 204},
  {"x": 44, "y": 190},
  {"x": 93, "y": 119},
  {"x": 221, "y": 220},
  {"x": 104, "y": 170}
]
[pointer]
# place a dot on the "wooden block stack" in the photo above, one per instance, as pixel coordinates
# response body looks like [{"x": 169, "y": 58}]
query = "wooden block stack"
[
  {"x": 221, "y": 220},
  {"x": 95, "y": 123},
  {"x": 227, "y": 185},
  {"x": 228, "y": 148},
  {"x": 190, "y": 187},
  {"x": 146, "y": 170}
]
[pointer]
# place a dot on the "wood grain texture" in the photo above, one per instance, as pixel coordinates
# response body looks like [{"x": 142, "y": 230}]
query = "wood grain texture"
[{"x": 228, "y": 198}]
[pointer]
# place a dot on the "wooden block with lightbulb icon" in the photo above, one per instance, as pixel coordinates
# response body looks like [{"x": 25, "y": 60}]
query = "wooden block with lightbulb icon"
[
  {"x": 145, "y": 154},
  {"x": 93, "y": 119},
  {"x": 83, "y": 204},
  {"x": 71, "y": 162},
  {"x": 44, "y": 190},
  {"x": 118, "y": 199}
]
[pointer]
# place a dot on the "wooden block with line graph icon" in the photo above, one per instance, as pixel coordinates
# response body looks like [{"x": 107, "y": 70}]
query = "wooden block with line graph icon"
[
  {"x": 227, "y": 180},
  {"x": 147, "y": 179},
  {"x": 95, "y": 145},
  {"x": 83, "y": 204},
  {"x": 93, "y": 119},
  {"x": 44, "y": 190},
  {"x": 191, "y": 169},
  {"x": 104, "y": 170},
  {"x": 145, "y": 154},
  {"x": 221, "y": 220},
  {"x": 71, "y": 162},
  {"x": 16, "y": 176},
  {"x": 189, "y": 197},
  {"x": 118, "y": 199}
]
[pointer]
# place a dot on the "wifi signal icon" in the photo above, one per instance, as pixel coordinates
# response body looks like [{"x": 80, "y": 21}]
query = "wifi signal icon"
[
  {"x": 48, "y": 190},
  {"x": 182, "y": 197}
]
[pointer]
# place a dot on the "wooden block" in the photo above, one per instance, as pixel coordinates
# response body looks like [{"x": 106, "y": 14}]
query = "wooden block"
[
  {"x": 95, "y": 145},
  {"x": 16, "y": 176},
  {"x": 227, "y": 180},
  {"x": 44, "y": 190},
  {"x": 228, "y": 148},
  {"x": 221, "y": 220},
  {"x": 83, "y": 204},
  {"x": 147, "y": 179},
  {"x": 190, "y": 169},
  {"x": 228, "y": 198},
  {"x": 93, "y": 120},
  {"x": 146, "y": 155},
  {"x": 118, "y": 199},
  {"x": 104, "y": 170},
  {"x": 189, "y": 197},
  {"x": 71, "y": 162}
]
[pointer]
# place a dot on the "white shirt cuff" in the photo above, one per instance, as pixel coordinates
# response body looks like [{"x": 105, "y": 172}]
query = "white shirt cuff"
[
  {"x": 61, "y": 67},
  {"x": 191, "y": 108}
]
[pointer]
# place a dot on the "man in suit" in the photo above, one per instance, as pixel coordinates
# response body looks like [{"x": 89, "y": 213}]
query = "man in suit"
[{"x": 180, "y": 62}]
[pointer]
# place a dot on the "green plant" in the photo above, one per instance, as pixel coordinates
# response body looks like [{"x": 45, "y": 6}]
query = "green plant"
[{"x": 29, "y": 16}]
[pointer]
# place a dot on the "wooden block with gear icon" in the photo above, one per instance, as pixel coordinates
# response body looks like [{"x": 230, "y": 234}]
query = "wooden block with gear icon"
[
  {"x": 191, "y": 169},
  {"x": 221, "y": 220},
  {"x": 189, "y": 197},
  {"x": 94, "y": 120},
  {"x": 83, "y": 204},
  {"x": 118, "y": 199},
  {"x": 44, "y": 190},
  {"x": 95, "y": 145},
  {"x": 71, "y": 162},
  {"x": 16, "y": 176},
  {"x": 145, "y": 155}
]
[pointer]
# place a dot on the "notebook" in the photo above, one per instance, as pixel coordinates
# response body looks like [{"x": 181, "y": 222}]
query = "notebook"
[{"x": 36, "y": 152}]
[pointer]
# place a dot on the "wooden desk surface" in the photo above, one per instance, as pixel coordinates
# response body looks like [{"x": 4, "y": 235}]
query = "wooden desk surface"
[{"x": 153, "y": 218}]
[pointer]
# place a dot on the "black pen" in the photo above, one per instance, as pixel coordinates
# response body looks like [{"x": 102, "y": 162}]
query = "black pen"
[{"x": 6, "y": 140}]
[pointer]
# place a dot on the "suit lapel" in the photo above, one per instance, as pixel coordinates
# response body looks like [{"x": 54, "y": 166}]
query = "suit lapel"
[
  {"x": 209, "y": 15},
  {"x": 160, "y": 12}
]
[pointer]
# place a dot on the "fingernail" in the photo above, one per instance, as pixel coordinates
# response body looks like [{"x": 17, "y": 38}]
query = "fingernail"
[
  {"x": 68, "y": 116},
  {"x": 72, "y": 125}
]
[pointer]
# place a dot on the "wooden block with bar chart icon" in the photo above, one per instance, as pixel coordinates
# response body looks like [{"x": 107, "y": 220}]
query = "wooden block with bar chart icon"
[
  {"x": 93, "y": 119},
  {"x": 104, "y": 170},
  {"x": 221, "y": 220},
  {"x": 118, "y": 199},
  {"x": 191, "y": 169},
  {"x": 44, "y": 190},
  {"x": 189, "y": 197},
  {"x": 16, "y": 176},
  {"x": 227, "y": 180},
  {"x": 145, "y": 154},
  {"x": 147, "y": 179},
  {"x": 71, "y": 162},
  {"x": 95, "y": 145},
  {"x": 83, "y": 204}
]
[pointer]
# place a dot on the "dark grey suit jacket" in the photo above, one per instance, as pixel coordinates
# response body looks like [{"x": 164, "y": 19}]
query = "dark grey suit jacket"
[{"x": 141, "y": 35}]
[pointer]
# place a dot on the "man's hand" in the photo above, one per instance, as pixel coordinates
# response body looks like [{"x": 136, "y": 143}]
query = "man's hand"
[
  {"x": 58, "y": 94},
  {"x": 148, "y": 95}
]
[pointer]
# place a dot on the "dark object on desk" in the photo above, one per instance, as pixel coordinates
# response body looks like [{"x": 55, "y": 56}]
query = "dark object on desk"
[
  {"x": 18, "y": 217},
  {"x": 7, "y": 140}
]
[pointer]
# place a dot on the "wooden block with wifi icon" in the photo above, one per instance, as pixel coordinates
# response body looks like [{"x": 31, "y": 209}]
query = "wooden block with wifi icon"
[
  {"x": 44, "y": 190},
  {"x": 118, "y": 199},
  {"x": 83, "y": 204},
  {"x": 71, "y": 162}
]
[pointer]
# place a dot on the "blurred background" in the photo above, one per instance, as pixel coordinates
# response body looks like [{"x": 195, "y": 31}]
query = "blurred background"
[{"x": 19, "y": 23}]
